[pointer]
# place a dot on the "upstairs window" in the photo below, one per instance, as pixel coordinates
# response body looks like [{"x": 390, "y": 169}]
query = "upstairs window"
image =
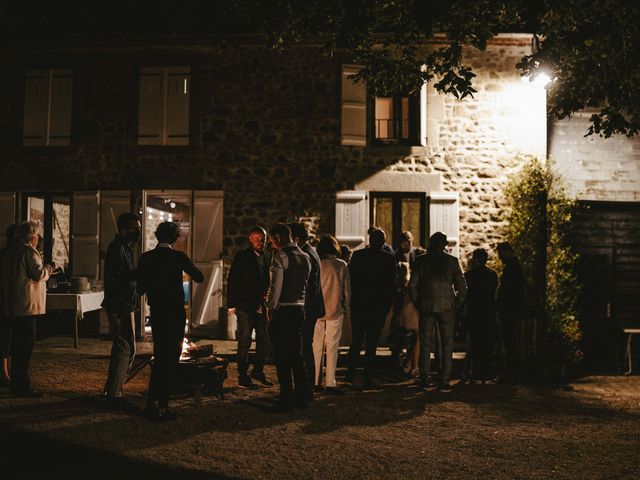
[
  {"x": 396, "y": 119},
  {"x": 164, "y": 106},
  {"x": 367, "y": 120},
  {"x": 47, "y": 107}
]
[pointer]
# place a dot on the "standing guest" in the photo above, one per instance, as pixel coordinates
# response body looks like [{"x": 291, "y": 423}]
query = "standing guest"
[
  {"x": 290, "y": 271},
  {"x": 481, "y": 313},
  {"x": 313, "y": 302},
  {"x": 385, "y": 247},
  {"x": 407, "y": 319},
  {"x": 510, "y": 300},
  {"x": 398, "y": 333},
  {"x": 25, "y": 293},
  {"x": 246, "y": 287},
  {"x": 160, "y": 274},
  {"x": 437, "y": 289},
  {"x": 5, "y": 330},
  {"x": 372, "y": 272},
  {"x": 345, "y": 253},
  {"x": 120, "y": 301},
  {"x": 336, "y": 290},
  {"x": 406, "y": 252}
]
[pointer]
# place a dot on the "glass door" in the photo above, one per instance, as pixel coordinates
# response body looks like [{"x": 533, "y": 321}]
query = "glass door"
[
  {"x": 397, "y": 212},
  {"x": 168, "y": 206}
]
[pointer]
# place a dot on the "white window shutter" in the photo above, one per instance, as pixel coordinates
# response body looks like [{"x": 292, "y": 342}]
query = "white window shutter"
[
  {"x": 7, "y": 213},
  {"x": 36, "y": 108},
  {"x": 207, "y": 249},
  {"x": 351, "y": 220},
  {"x": 354, "y": 109},
  {"x": 151, "y": 107},
  {"x": 60, "y": 111},
  {"x": 177, "y": 111},
  {"x": 112, "y": 205},
  {"x": 444, "y": 217},
  {"x": 84, "y": 234}
]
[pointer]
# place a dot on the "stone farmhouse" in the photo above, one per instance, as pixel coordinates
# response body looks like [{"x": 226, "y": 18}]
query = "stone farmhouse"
[{"x": 221, "y": 138}]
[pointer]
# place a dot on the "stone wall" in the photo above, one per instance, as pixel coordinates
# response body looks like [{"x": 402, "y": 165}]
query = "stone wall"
[
  {"x": 594, "y": 167},
  {"x": 265, "y": 129}
]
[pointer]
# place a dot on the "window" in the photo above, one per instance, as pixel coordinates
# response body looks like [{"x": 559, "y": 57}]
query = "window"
[
  {"x": 396, "y": 119},
  {"x": 396, "y": 212},
  {"x": 164, "y": 106},
  {"x": 47, "y": 107},
  {"x": 367, "y": 120}
]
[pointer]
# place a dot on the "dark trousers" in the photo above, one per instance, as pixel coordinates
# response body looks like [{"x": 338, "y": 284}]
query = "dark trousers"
[
  {"x": 365, "y": 327},
  {"x": 510, "y": 326},
  {"x": 23, "y": 334},
  {"x": 285, "y": 331},
  {"x": 167, "y": 328},
  {"x": 308, "y": 330},
  {"x": 247, "y": 322},
  {"x": 123, "y": 351},
  {"x": 482, "y": 334},
  {"x": 445, "y": 322}
]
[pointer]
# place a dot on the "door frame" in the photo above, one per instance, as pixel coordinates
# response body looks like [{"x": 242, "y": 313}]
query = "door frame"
[{"x": 396, "y": 197}]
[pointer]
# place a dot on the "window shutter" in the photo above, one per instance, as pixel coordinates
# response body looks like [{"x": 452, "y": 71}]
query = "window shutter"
[
  {"x": 354, "y": 109},
  {"x": 177, "y": 112},
  {"x": 207, "y": 249},
  {"x": 112, "y": 205},
  {"x": 60, "y": 114},
  {"x": 151, "y": 107},
  {"x": 84, "y": 234},
  {"x": 351, "y": 219},
  {"x": 444, "y": 217},
  {"x": 7, "y": 213},
  {"x": 36, "y": 108}
]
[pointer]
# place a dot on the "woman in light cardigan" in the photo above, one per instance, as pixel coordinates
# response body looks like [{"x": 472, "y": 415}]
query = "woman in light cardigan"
[
  {"x": 25, "y": 293},
  {"x": 336, "y": 290}
]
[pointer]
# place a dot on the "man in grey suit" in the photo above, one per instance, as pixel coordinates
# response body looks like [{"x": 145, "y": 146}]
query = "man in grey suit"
[{"x": 437, "y": 288}]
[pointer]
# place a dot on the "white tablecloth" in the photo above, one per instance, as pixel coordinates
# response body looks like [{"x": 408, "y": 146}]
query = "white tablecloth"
[{"x": 81, "y": 303}]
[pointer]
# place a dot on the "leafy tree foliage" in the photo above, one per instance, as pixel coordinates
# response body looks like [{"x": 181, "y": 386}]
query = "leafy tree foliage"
[
  {"x": 590, "y": 47},
  {"x": 539, "y": 210}
]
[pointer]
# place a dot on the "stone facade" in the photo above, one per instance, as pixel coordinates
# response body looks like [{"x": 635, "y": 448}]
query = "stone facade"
[{"x": 265, "y": 129}]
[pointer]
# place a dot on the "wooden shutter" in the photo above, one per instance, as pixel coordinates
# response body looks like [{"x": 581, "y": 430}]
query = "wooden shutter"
[
  {"x": 7, "y": 213},
  {"x": 112, "y": 205},
  {"x": 351, "y": 218},
  {"x": 207, "y": 249},
  {"x": 444, "y": 217},
  {"x": 177, "y": 102},
  {"x": 84, "y": 234},
  {"x": 151, "y": 107},
  {"x": 60, "y": 111},
  {"x": 354, "y": 109},
  {"x": 36, "y": 108}
]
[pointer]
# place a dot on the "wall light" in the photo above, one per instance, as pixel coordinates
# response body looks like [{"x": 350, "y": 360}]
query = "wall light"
[{"x": 539, "y": 79}]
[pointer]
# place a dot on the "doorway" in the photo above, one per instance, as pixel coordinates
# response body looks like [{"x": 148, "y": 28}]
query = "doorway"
[
  {"x": 396, "y": 212},
  {"x": 595, "y": 306}
]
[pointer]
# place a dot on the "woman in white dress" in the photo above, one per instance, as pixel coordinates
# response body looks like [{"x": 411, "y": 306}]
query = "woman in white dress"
[
  {"x": 408, "y": 318},
  {"x": 336, "y": 290}
]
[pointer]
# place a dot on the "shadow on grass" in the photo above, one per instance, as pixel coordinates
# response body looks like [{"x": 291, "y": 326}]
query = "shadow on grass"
[{"x": 32, "y": 455}]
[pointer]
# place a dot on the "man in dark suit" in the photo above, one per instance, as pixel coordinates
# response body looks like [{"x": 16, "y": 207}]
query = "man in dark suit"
[
  {"x": 437, "y": 288},
  {"x": 372, "y": 273},
  {"x": 160, "y": 273},
  {"x": 313, "y": 302},
  {"x": 246, "y": 287}
]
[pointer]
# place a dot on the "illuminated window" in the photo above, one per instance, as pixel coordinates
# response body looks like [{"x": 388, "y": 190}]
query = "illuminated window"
[
  {"x": 396, "y": 212},
  {"x": 47, "y": 107},
  {"x": 396, "y": 119},
  {"x": 163, "y": 116}
]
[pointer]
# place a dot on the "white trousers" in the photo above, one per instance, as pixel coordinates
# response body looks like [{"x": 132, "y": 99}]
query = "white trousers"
[{"x": 327, "y": 335}]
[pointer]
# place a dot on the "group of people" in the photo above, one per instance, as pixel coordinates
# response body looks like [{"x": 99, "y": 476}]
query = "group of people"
[{"x": 296, "y": 299}]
